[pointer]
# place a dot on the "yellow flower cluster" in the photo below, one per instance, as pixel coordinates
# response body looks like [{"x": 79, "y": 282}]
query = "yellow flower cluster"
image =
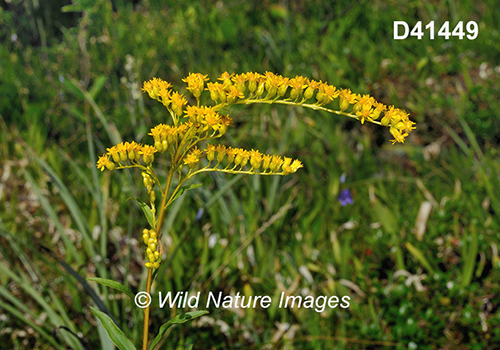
[
  {"x": 398, "y": 122},
  {"x": 165, "y": 135},
  {"x": 119, "y": 154},
  {"x": 150, "y": 239},
  {"x": 196, "y": 83},
  {"x": 238, "y": 158},
  {"x": 159, "y": 89},
  {"x": 208, "y": 119},
  {"x": 300, "y": 89},
  {"x": 193, "y": 157},
  {"x": 149, "y": 183}
]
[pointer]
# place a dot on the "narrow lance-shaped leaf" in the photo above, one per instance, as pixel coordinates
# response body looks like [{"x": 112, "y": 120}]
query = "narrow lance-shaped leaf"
[
  {"x": 185, "y": 188},
  {"x": 113, "y": 284},
  {"x": 182, "y": 318},
  {"x": 115, "y": 333},
  {"x": 147, "y": 212}
]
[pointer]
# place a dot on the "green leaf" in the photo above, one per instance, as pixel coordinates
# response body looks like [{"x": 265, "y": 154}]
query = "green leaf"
[
  {"x": 97, "y": 86},
  {"x": 182, "y": 318},
  {"x": 185, "y": 188},
  {"x": 115, "y": 333},
  {"x": 78, "y": 6},
  {"x": 417, "y": 254},
  {"x": 147, "y": 212},
  {"x": 73, "y": 88},
  {"x": 469, "y": 256},
  {"x": 113, "y": 284},
  {"x": 386, "y": 217}
]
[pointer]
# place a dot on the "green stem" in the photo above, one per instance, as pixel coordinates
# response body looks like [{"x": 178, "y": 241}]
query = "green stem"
[
  {"x": 145, "y": 332},
  {"x": 149, "y": 280},
  {"x": 316, "y": 107}
]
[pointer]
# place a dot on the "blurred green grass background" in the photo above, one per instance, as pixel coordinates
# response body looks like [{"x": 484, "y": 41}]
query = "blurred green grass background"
[{"x": 70, "y": 80}]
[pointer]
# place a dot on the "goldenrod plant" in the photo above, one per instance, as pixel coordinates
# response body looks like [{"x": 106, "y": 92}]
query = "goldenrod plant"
[{"x": 184, "y": 142}]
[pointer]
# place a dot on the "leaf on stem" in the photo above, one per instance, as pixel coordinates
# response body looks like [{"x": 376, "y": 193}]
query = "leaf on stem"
[
  {"x": 185, "y": 188},
  {"x": 113, "y": 284},
  {"x": 182, "y": 318},
  {"x": 147, "y": 212},
  {"x": 115, "y": 333}
]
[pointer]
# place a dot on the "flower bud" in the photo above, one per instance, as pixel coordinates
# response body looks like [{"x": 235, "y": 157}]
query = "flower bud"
[
  {"x": 344, "y": 104},
  {"x": 308, "y": 93},
  {"x": 252, "y": 85},
  {"x": 148, "y": 159},
  {"x": 110, "y": 165},
  {"x": 222, "y": 96},
  {"x": 116, "y": 157},
  {"x": 260, "y": 90},
  {"x": 123, "y": 156},
  {"x": 282, "y": 90},
  {"x": 164, "y": 146}
]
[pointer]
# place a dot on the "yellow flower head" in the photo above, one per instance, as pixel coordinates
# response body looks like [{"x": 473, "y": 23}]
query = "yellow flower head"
[
  {"x": 148, "y": 154},
  {"x": 365, "y": 112},
  {"x": 233, "y": 94},
  {"x": 122, "y": 150},
  {"x": 178, "y": 102},
  {"x": 211, "y": 119},
  {"x": 156, "y": 87},
  {"x": 196, "y": 83},
  {"x": 266, "y": 161},
  {"x": 133, "y": 150},
  {"x": 298, "y": 85},
  {"x": 161, "y": 134},
  {"x": 193, "y": 157},
  {"x": 114, "y": 153},
  {"x": 231, "y": 154},
  {"x": 254, "y": 79},
  {"x": 398, "y": 136},
  {"x": 276, "y": 162},
  {"x": 217, "y": 92},
  {"x": 346, "y": 98},
  {"x": 221, "y": 152},
  {"x": 272, "y": 83},
  {"x": 363, "y": 100},
  {"x": 226, "y": 79},
  {"x": 326, "y": 94},
  {"x": 296, "y": 165},
  {"x": 104, "y": 162},
  {"x": 210, "y": 151},
  {"x": 379, "y": 108},
  {"x": 255, "y": 159},
  {"x": 239, "y": 81}
]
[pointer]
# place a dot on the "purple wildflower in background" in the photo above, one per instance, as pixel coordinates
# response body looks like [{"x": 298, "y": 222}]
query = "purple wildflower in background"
[
  {"x": 345, "y": 198},
  {"x": 342, "y": 178},
  {"x": 199, "y": 214}
]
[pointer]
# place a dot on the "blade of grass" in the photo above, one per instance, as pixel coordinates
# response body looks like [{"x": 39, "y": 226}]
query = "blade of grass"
[
  {"x": 40, "y": 331},
  {"x": 73, "y": 254},
  {"x": 103, "y": 237},
  {"x": 80, "y": 220},
  {"x": 469, "y": 255},
  {"x": 112, "y": 132},
  {"x": 24, "y": 282},
  {"x": 417, "y": 254},
  {"x": 82, "y": 281}
]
